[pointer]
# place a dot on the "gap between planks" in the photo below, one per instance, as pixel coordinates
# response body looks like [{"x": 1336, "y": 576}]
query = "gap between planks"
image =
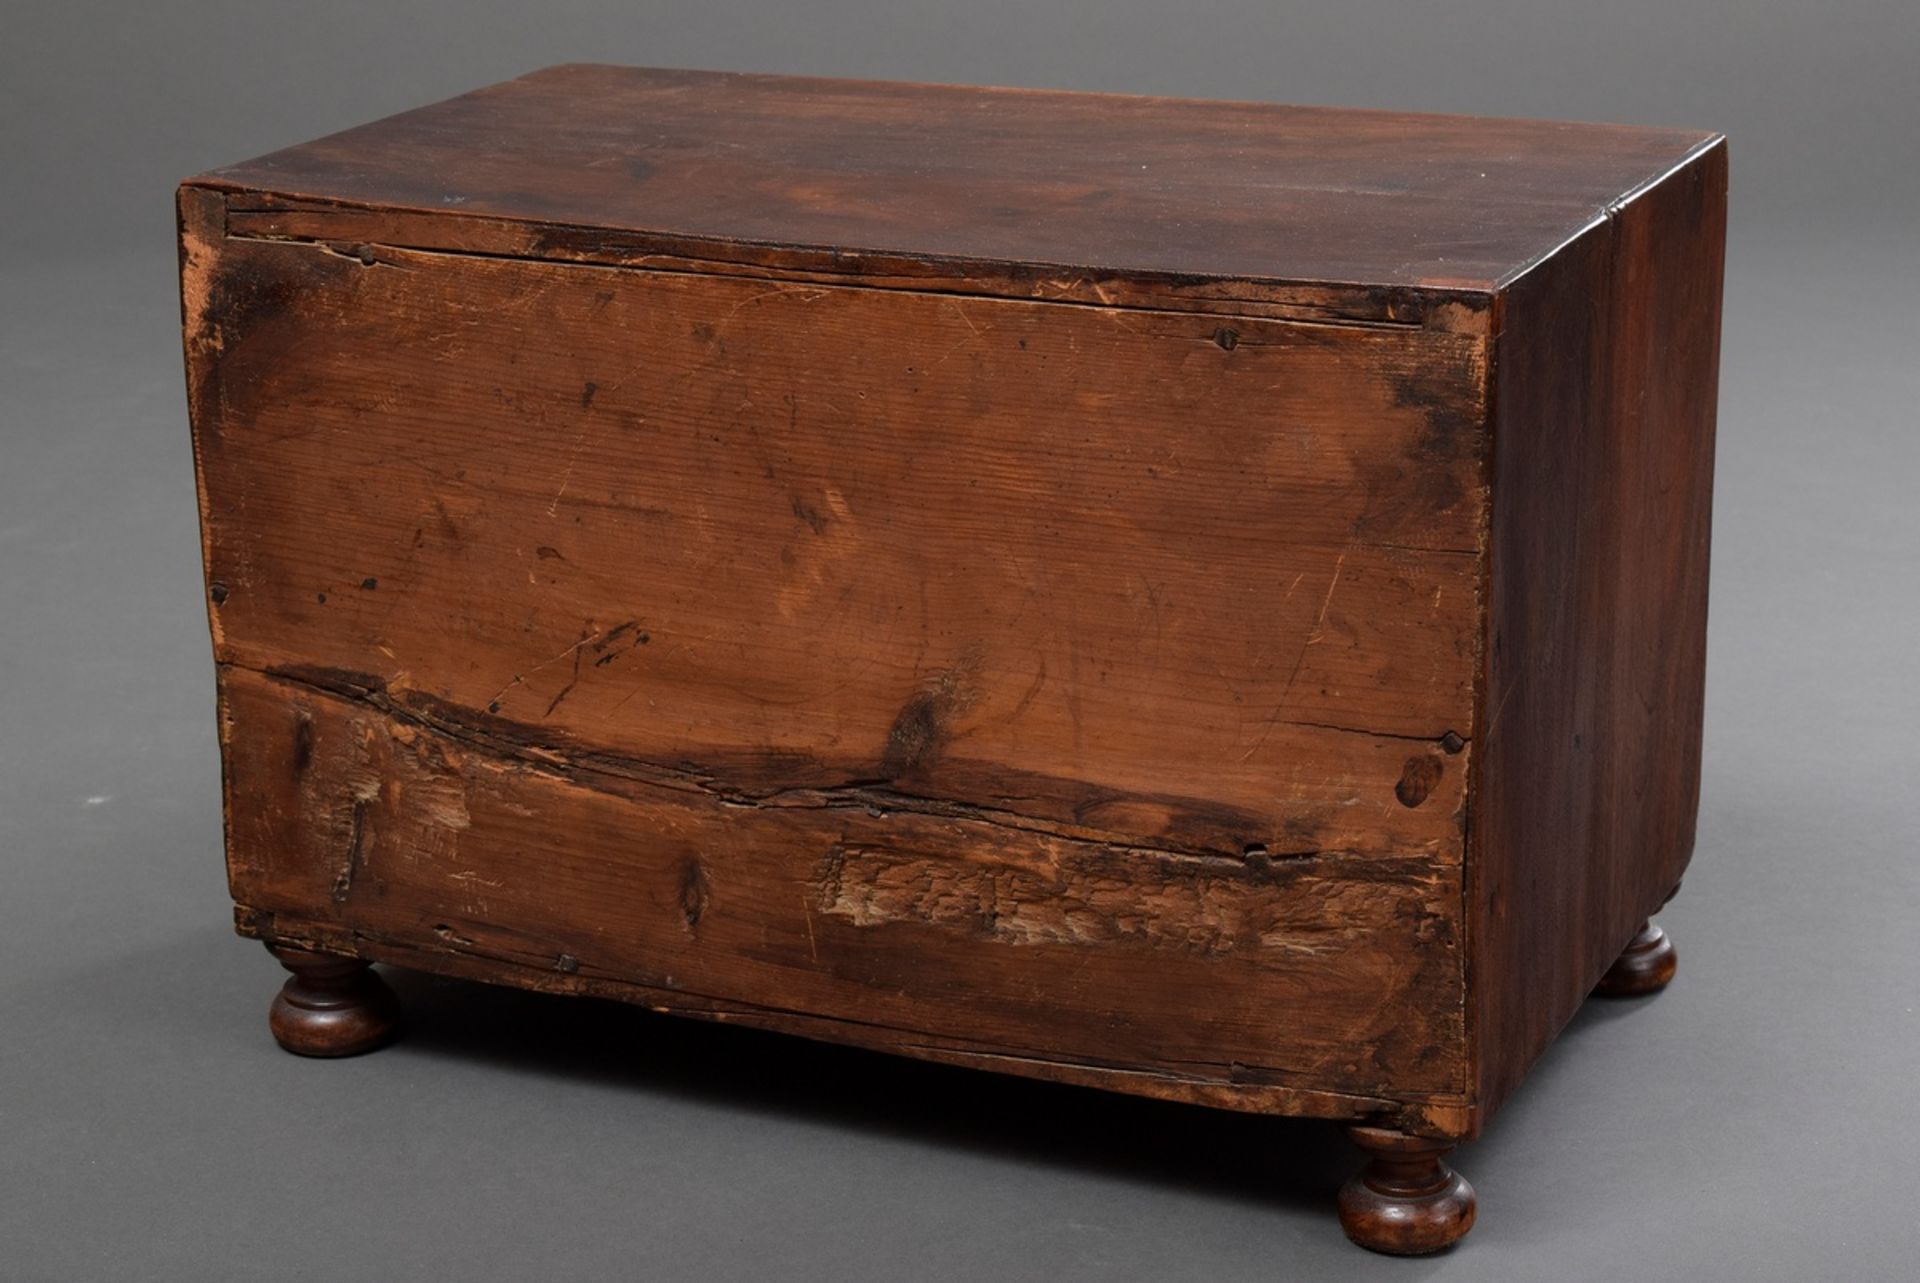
[
  {"x": 570, "y": 762},
  {"x": 801, "y": 277}
]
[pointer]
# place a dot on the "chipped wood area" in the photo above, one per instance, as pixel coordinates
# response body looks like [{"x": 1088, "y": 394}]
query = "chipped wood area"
[
  {"x": 1088, "y": 687},
  {"x": 1426, "y": 1114},
  {"x": 915, "y": 930}
]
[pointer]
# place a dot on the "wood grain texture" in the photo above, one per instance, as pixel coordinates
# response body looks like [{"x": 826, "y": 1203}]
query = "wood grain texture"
[
  {"x": 1391, "y": 213},
  {"x": 766, "y": 606},
  {"x": 798, "y": 539},
  {"x": 1204, "y": 600},
  {"x": 1588, "y": 775},
  {"x": 890, "y": 927}
]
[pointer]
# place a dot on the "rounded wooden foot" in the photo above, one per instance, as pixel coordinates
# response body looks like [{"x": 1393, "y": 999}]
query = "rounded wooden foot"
[
  {"x": 1407, "y": 1201},
  {"x": 1645, "y": 967},
  {"x": 333, "y": 1006}
]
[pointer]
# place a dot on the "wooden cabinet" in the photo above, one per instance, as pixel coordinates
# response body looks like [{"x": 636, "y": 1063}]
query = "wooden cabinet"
[{"x": 1197, "y": 599}]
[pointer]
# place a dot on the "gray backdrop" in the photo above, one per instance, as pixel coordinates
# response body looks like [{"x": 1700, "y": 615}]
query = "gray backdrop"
[{"x": 1758, "y": 1121}]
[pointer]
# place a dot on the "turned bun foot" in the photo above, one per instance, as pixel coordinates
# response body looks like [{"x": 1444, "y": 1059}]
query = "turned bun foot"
[
  {"x": 1645, "y": 967},
  {"x": 332, "y": 1006},
  {"x": 1407, "y": 1201}
]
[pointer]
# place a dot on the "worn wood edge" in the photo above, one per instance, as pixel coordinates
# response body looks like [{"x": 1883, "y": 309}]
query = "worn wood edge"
[
  {"x": 1472, "y": 1116},
  {"x": 1601, "y": 218},
  {"x": 251, "y": 213},
  {"x": 200, "y": 219},
  {"x": 1437, "y": 302},
  {"x": 1480, "y": 1106},
  {"x": 200, "y": 223},
  {"x": 1045, "y": 91},
  {"x": 1438, "y": 1116}
]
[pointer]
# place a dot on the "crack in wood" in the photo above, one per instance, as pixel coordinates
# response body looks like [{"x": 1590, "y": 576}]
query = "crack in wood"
[
  {"x": 529, "y": 749},
  {"x": 356, "y": 842},
  {"x": 843, "y": 279}
]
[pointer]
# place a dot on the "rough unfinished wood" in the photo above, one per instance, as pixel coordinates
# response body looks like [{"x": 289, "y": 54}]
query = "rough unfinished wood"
[
  {"x": 879, "y": 923},
  {"x": 802, "y": 538}
]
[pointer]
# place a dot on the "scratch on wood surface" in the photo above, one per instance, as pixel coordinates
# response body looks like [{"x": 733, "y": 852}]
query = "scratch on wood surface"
[
  {"x": 946, "y": 355},
  {"x": 1494, "y": 720},
  {"x": 974, "y": 333},
  {"x": 525, "y": 299},
  {"x": 566, "y": 477},
  {"x": 806, "y": 294},
  {"x": 1313, "y": 636},
  {"x": 1320, "y": 620},
  {"x": 965, "y": 320},
  {"x": 572, "y": 682},
  {"x": 493, "y": 703}
]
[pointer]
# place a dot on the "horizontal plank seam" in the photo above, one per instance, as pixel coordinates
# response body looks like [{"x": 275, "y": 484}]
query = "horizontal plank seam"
[
  {"x": 870, "y": 283},
  {"x": 566, "y": 762}
]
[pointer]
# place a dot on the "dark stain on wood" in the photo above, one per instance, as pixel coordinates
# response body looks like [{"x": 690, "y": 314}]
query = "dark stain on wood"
[
  {"x": 915, "y": 735},
  {"x": 1417, "y": 779},
  {"x": 807, "y": 513},
  {"x": 302, "y": 743},
  {"x": 694, "y": 891},
  {"x": 355, "y": 852}
]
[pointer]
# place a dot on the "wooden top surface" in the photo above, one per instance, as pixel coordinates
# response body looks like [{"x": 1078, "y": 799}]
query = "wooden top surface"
[{"x": 1096, "y": 183}]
